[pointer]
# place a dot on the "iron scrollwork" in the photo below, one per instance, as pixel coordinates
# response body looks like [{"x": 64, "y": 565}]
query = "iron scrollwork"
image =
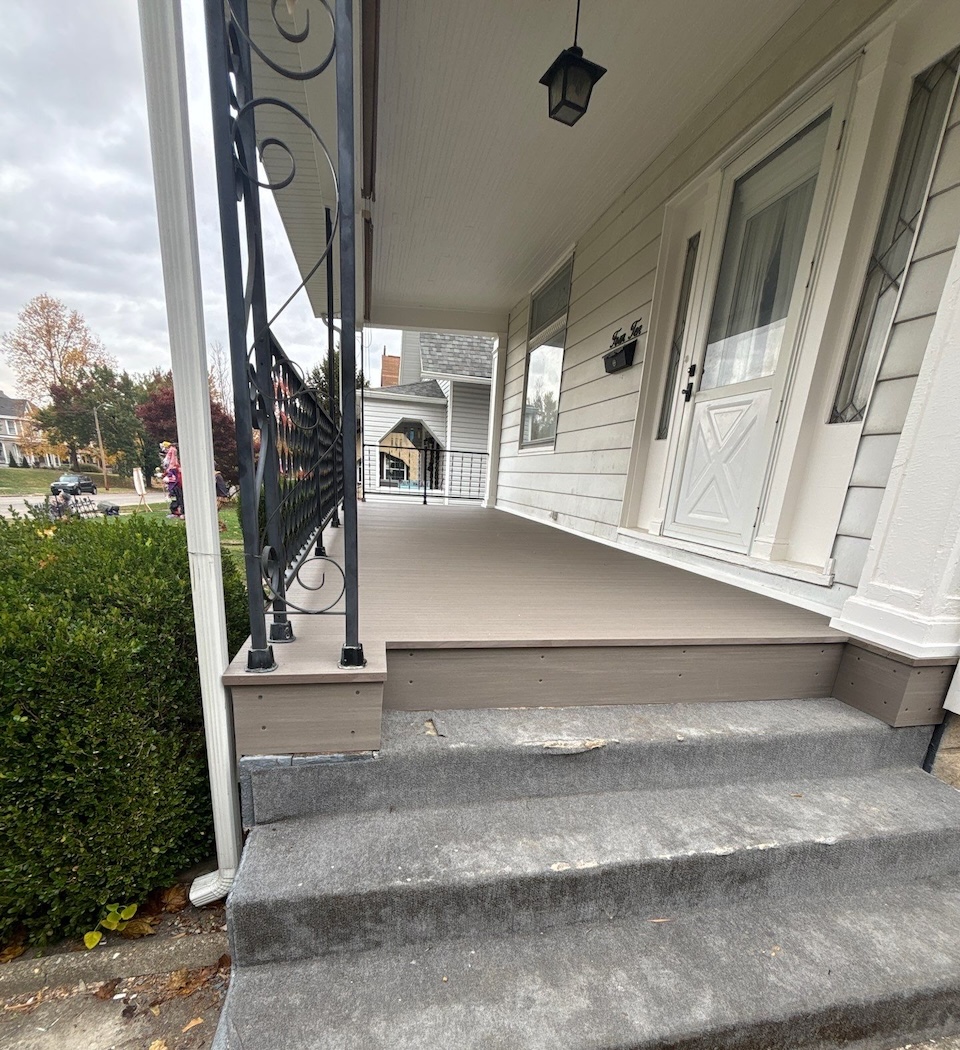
[{"x": 290, "y": 444}]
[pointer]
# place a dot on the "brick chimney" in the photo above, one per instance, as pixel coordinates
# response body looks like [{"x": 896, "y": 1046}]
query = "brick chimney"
[{"x": 389, "y": 370}]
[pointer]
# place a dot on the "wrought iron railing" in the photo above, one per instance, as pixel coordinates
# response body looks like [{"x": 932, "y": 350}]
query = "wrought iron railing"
[
  {"x": 289, "y": 444},
  {"x": 402, "y": 469},
  {"x": 308, "y": 447}
]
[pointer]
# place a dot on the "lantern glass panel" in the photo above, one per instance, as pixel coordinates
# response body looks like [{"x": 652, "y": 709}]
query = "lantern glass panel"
[
  {"x": 579, "y": 86},
  {"x": 556, "y": 90}
]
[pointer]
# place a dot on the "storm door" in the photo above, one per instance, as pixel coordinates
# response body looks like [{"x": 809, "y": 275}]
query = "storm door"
[{"x": 737, "y": 380}]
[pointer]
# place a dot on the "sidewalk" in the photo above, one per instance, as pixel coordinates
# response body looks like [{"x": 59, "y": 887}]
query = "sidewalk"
[{"x": 162, "y": 992}]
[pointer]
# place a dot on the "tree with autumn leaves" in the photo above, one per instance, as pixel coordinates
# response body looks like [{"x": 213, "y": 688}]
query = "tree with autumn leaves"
[
  {"x": 51, "y": 345},
  {"x": 61, "y": 365},
  {"x": 157, "y": 414}
]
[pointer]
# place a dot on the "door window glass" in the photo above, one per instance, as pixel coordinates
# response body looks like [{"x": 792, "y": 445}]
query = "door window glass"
[{"x": 761, "y": 257}]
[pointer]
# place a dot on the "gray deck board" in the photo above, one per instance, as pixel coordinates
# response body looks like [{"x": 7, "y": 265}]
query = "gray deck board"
[{"x": 463, "y": 577}]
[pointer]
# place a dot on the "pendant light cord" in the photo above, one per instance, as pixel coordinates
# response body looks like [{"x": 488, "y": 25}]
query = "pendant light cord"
[{"x": 576, "y": 27}]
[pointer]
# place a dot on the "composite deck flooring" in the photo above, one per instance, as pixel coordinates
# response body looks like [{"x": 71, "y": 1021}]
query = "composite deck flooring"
[{"x": 440, "y": 577}]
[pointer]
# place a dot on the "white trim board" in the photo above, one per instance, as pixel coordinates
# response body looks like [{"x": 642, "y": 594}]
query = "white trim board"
[{"x": 803, "y": 595}]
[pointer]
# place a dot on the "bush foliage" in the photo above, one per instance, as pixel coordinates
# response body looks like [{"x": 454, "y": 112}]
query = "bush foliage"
[{"x": 103, "y": 786}]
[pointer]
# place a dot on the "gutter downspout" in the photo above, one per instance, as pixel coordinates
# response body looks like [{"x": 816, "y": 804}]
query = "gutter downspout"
[{"x": 161, "y": 36}]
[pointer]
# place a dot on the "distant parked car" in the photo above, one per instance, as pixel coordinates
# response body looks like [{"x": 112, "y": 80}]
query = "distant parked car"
[{"x": 73, "y": 485}]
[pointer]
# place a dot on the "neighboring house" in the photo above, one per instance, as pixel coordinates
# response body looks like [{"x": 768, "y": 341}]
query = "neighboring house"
[
  {"x": 432, "y": 426},
  {"x": 16, "y": 426}
]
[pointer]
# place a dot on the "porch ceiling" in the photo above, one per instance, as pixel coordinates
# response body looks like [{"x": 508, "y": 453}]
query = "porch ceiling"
[{"x": 478, "y": 193}]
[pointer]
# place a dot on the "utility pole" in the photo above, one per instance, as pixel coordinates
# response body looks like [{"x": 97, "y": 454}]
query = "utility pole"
[{"x": 103, "y": 458}]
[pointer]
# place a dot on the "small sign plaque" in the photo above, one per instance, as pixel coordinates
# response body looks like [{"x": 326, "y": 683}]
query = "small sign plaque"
[{"x": 623, "y": 346}]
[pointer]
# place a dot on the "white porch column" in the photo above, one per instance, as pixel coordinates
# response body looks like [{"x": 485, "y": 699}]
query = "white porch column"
[
  {"x": 495, "y": 424},
  {"x": 909, "y": 594},
  {"x": 161, "y": 31}
]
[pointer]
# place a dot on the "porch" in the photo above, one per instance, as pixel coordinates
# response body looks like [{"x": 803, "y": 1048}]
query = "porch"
[{"x": 465, "y": 607}]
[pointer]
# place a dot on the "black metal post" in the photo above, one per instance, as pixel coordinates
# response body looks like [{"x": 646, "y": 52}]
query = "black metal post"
[
  {"x": 281, "y": 630},
  {"x": 352, "y": 653},
  {"x": 332, "y": 406},
  {"x": 260, "y": 655},
  {"x": 319, "y": 457},
  {"x": 424, "y": 468}
]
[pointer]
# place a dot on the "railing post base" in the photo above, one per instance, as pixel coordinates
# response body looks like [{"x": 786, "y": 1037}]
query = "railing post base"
[
  {"x": 261, "y": 659},
  {"x": 282, "y": 632},
  {"x": 352, "y": 656}
]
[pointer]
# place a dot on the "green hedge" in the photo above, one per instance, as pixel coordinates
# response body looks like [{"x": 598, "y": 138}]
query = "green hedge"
[{"x": 103, "y": 786}]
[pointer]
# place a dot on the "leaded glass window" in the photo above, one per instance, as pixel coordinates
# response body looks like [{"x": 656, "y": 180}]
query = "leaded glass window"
[
  {"x": 916, "y": 155},
  {"x": 676, "y": 344}
]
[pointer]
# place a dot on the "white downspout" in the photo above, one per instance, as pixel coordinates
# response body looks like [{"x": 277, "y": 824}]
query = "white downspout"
[{"x": 161, "y": 36}]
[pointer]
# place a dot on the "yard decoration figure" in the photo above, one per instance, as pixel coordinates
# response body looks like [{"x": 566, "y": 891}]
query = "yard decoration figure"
[{"x": 173, "y": 478}]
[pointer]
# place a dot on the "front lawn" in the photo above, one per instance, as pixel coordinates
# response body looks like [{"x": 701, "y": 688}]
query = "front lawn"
[{"x": 27, "y": 481}]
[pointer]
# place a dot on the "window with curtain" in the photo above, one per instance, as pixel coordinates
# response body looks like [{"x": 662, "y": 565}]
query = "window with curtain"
[
  {"x": 916, "y": 155},
  {"x": 548, "y": 326},
  {"x": 761, "y": 256}
]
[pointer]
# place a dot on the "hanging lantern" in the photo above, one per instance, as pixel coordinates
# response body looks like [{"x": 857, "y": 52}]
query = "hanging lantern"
[{"x": 569, "y": 81}]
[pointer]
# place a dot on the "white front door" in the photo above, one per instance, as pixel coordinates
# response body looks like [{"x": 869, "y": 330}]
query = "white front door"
[{"x": 739, "y": 374}]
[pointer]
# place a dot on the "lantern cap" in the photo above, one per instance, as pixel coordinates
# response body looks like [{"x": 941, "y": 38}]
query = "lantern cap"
[{"x": 573, "y": 56}]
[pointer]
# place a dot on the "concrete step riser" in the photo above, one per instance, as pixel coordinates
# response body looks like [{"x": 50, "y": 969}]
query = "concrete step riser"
[
  {"x": 285, "y": 929},
  {"x": 468, "y": 775},
  {"x": 877, "y": 1024}
]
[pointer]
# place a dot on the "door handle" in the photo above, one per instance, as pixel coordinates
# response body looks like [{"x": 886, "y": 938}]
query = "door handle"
[{"x": 688, "y": 389}]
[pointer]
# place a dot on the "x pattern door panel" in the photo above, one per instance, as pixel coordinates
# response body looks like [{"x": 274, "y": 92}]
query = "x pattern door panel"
[{"x": 721, "y": 479}]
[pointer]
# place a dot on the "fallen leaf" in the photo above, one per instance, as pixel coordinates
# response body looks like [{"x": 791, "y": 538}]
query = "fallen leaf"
[
  {"x": 186, "y": 982},
  {"x": 106, "y": 990},
  {"x": 15, "y": 947},
  {"x": 145, "y": 927},
  {"x": 658, "y": 920},
  {"x": 155, "y": 1010},
  {"x": 158, "y": 1044},
  {"x": 175, "y": 899},
  {"x": 796, "y": 794},
  {"x": 177, "y": 980},
  {"x": 192, "y": 1024}
]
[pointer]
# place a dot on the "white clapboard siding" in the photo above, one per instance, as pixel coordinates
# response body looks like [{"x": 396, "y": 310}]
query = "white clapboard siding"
[
  {"x": 469, "y": 422},
  {"x": 614, "y": 274},
  {"x": 902, "y": 358}
]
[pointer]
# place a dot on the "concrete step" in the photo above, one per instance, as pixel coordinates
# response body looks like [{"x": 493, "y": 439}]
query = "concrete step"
[
  {"x": 451, "y": 758},
  {"x": 873, "y": 969},
  {"x": 331, "y": 884}
]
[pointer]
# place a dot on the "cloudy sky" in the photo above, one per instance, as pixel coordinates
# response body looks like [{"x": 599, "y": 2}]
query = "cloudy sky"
[{"x": 77, "y": 213}]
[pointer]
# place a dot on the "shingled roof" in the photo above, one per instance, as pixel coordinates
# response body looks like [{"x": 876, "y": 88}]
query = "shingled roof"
[
  {"x": 16, "y": 407},
  {"x": 428, "y": 388},
  {"x": 444, "y": 354}
]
